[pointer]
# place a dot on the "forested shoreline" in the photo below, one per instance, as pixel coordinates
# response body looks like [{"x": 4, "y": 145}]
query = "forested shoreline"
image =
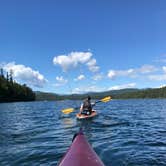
[
  {"x": 115, "y": 94},
  {"x": 11, "y": 91},
  {"x": 144, "y": 93}
]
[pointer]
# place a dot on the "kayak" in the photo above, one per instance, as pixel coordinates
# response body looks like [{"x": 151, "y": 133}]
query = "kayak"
[
  {"x": 80, "y": 153},
  {"x": 82, "y": 116}
]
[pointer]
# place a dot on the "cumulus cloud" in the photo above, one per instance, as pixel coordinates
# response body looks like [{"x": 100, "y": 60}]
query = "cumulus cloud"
[
  {"x": 25, "y": 74},
  {"x": 73, "y": 59},
  {"x": 161, "y": 59},
  {"x": 60, "y": 81},
  {"x": 159, "y": 77},
  {"x": 80, "y": 77},
  {"x": 92, "y": 65},
  {"x": 145, "y": 69},
  {"x": 117, "y": 87},
  {"x": 164, "y": 68},
  {"x": 112, "y": 74},
  {"x": 93, "y": 88},
  {"x": 94, "y": 68},
  {"x": 97, "y": 77}
]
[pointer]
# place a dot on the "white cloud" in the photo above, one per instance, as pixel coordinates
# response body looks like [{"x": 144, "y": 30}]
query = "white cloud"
[
  {"x": 92, "y": 65},
  {"x": 145, "y": 69},
  {"x": 72, "y": 60},
  {"x": 159, "y": 77},
  {"x": 92, "y": 62},
  {"x": 25, "y": 74},
  {"x": 88, "y": 89},
  {"x": 115, "y": 73},
  {"x": 80, "y": 77},
  {"x": 111, "y": 74},
  {"x": 164, "y": 68},
  {"x": 94, "y": 68},
  {"x": 117, "y": 87},
  {"x": 97, "y": 77},
  {"x": 161, "y": 59},
  {"x": 60, "y": 81}
]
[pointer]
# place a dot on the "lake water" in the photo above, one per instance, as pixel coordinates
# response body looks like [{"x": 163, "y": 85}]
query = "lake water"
[{"x": 126, "y": 132}]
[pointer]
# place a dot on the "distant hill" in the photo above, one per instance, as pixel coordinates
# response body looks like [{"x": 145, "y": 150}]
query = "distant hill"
[
  {"x": 145, "y": 93},
  {"x": 116, "y": 94},
  {"x": 47, "y": 96}
]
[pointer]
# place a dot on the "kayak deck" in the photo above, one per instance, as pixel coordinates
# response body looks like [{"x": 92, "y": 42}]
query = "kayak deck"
[
  {"x": 82, "y": 116},
  {"x": 80, "y": 153}
]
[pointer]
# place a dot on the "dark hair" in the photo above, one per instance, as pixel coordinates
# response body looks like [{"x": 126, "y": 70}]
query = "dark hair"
[{"x": 89, "y": 98}]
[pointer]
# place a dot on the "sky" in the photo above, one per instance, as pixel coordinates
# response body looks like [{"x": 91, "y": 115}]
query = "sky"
[{"x": 80, "y": 46}]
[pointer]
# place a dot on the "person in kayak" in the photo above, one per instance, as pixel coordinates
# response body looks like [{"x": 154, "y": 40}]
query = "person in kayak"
[{"x": 86, "y": 106}]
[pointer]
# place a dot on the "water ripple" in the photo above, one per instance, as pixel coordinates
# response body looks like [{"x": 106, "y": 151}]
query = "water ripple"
[{"x": 126, "y": 132}]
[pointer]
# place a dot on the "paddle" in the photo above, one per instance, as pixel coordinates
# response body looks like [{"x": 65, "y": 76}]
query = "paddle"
[{"x": 69, "y": 110}]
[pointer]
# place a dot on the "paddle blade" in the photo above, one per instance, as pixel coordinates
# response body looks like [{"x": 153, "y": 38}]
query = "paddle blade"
[
  {"x": 68, "y": 110},
  {"x": 106, "y": 99}
]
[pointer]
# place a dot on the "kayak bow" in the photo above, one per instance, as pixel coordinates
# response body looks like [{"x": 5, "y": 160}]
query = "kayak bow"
[{"x": 80, "y": 153}]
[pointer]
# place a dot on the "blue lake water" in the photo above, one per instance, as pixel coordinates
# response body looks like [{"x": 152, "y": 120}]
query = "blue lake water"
[{"x": 126, "y": 132}]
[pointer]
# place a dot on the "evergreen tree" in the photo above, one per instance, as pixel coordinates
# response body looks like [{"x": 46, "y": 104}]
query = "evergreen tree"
[
  {"x": 12, "y": 91},
  {"x": 2, "y": 75},
  {"x": 11, "y": 76},
  {"x": 7, "y": 77}
]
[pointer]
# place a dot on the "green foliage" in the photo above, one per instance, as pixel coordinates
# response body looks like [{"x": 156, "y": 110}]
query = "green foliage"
[
  {"x": 47, "y": 96},
  {"x": 115, "y": 94},
  {"x": 145, "y": 93},
  {"x": 12, "y": 91}
]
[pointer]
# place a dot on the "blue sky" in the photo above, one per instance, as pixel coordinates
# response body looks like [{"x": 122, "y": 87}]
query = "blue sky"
[{"x": 77, "y": 46}]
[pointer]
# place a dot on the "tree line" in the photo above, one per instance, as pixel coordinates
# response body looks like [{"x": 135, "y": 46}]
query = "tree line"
[
  {"x": 11, "y": 91},
  {"x": 144, "y": 93},
  {"x": 115, "y": 94}
]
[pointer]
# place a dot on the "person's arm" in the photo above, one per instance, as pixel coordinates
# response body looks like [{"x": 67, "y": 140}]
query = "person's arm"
[{"x": 81, "y": 108}]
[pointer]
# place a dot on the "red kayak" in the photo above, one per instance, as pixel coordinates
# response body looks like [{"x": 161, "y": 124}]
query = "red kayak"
[{"x": 80, "y": 153}]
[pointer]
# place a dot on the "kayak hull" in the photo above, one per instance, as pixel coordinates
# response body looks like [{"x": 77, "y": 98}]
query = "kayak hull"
[
  {"x": 80, "y": 153},
  {"x": 81, "y": 116}
]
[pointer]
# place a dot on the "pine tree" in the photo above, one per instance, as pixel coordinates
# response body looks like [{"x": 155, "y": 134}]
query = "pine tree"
[
  {"x": 7, "y": 77},
  {"x": 11, "y": 76},
  {"x": 2, "y": 75}
]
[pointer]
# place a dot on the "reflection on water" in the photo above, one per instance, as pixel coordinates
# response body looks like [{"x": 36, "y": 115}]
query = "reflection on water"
[{"x": 67, "y": 122}]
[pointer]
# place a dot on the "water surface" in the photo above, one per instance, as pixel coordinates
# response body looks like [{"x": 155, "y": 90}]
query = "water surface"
[{"x": 126, "y": 132}]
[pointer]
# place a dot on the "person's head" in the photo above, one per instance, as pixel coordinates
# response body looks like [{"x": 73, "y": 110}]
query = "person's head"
[{"x": 89, "y": 98}]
